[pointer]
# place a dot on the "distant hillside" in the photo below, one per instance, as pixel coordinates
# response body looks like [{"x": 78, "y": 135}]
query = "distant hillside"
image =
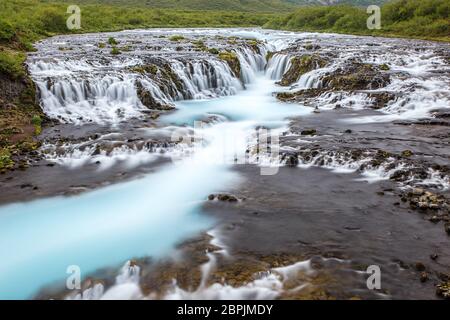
[{"x": 226, "y": 5}]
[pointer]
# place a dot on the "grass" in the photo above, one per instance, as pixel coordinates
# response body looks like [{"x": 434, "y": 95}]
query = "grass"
[
  {"x": 422, "y": 19},
  {"x": 11, "y": 63}
]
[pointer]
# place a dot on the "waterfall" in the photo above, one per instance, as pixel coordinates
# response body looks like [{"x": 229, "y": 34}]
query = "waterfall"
[
  {"x": 106, "y": 92},
  {"x": 203, "y": 79},
  {"x": 251, "y": 62},
  {"x": 108, "y": 98},
  {"x": 278, "y": 65}
]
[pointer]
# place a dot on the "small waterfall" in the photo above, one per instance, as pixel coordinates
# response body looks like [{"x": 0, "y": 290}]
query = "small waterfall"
[
  {"x": 278, "y": 65},
  {"x": 205, "y": 79},
  {"x": 107, "y": 92},
  {"x": 251, "y": 62},
  {"x": 104, "y": 99}
]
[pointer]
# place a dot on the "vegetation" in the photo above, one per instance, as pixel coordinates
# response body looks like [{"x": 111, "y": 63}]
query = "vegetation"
[
  {"x": 36, "y": 120},
  {"x": 428, "y": 19},
  {"x": 11, "y": 64},
  {"x": 176, "y": 38},
  {"x": 115, "y": 50}
]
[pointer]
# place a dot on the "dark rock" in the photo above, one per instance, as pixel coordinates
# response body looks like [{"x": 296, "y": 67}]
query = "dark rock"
[
  {"x": 423, "y": 277},
  {"x": 381, "y": 99},
  {"x": 309, "y": 132},
  {"x": 447, "y": 227},
  {"x": 434, "y": 256},
  {"x": 223, "y": 197},
  {"x": 420, "y": 266}
]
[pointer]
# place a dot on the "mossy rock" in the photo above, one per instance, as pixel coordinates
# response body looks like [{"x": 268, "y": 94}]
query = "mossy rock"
[
  {"x": 6, "y": 162},
  {"x": 269, "y": 55},
  {"x": 147, "y": 68},
  {"x": 301, "y": 65},
  {"x": 384, "y": 67},
  {"x": 309, "y": 132},
  {"x": 112, "y": 41},
  {"x": 176, "y": 38},
  {"x": 356, "y": 76},
  {"x": 213, "y": 51},
  {"x": 232, "y": 60},
  {"x": 115, "y": 51},
  {"x": 299, "y": 95},
  {"x": 407, "y": 153}
]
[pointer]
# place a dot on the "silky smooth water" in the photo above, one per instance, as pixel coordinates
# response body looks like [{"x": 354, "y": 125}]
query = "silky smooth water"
[{"x": 145, "y": 217}]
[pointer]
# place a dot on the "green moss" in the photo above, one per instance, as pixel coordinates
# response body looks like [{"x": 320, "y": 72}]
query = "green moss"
[
  {"x": 407, "y": 153},
  {"x": 11, "y": 63},
  {"x": 301, "y": 65},
  {"x": 37, "y": 122},
  {"x": 384, "y": 67},
  {"x": 176, "y": 38},
  {"x": 101, "y": 45},
  {"x": 269, "y": 55},
  {"x": 112, "y": 41},
  {"x": 115, "y": 51},
  {"x": 149, "y": 68},
  {"x": 232, "y": 60},
  {"x": 5, "y": 160},
  {"x": 213, "y": 51}
]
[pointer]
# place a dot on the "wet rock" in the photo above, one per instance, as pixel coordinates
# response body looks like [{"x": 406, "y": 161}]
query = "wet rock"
[
  {"x": 420, "y": 266},
  {"x": 356, "y": 76},
  {"x": 223, "y": 197},
  {"x": 407, "y": 153},
  {"x": 233, "y": 62},
  {"x": 301, "y": 65},
  {"x": 299, "y": 95},
  {"x": 309, "y": 132},
  {"x": 149, "y": 101},
  {"x": 381, "y": 99},
  {"x": 423, "y": 277},
  {"x": 443, "y": 290},
  {"x": 290, "y": 159},
  {"x": 434, "y": 256}
]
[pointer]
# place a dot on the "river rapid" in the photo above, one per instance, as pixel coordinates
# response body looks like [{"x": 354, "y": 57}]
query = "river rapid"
[{"x": 152, "y": 180}]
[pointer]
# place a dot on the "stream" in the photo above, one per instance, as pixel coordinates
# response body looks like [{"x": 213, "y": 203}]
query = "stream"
[{"x": 114, "y": 185}]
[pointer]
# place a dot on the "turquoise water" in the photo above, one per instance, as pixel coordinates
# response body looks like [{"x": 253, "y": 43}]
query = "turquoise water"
[{"x": 144, "y": 217}]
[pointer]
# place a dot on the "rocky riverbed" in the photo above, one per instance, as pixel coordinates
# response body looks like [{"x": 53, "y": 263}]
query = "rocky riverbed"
[{"x": 361, "y": 177}]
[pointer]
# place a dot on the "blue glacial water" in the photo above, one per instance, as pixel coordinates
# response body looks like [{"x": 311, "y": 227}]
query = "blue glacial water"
[{"x": 144, "y": 217}]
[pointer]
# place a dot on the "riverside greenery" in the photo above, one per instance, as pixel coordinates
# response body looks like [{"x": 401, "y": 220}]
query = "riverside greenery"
[
  {"x": 24, "y": 21},
  {"x": 425, "y": 19}
]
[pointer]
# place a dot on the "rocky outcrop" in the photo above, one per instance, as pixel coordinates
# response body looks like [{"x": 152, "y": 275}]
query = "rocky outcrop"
[
  {"x": 149, "y": 101},
  {"x": 301, "y": 65},
  {"x": 232, "y": 60},
  {"x": 356, "y": 76},
  {"x": 20, "y": 120}
]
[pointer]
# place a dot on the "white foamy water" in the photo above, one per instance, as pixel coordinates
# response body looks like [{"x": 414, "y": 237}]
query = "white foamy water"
[{"x": 149, "y": 216}]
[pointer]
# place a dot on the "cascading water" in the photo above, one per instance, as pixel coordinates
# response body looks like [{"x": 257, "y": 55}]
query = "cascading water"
[{"x": 149, "y": 216}]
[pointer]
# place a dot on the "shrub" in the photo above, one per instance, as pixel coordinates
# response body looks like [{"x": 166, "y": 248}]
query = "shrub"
[{"x": 11, "y": 63}]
